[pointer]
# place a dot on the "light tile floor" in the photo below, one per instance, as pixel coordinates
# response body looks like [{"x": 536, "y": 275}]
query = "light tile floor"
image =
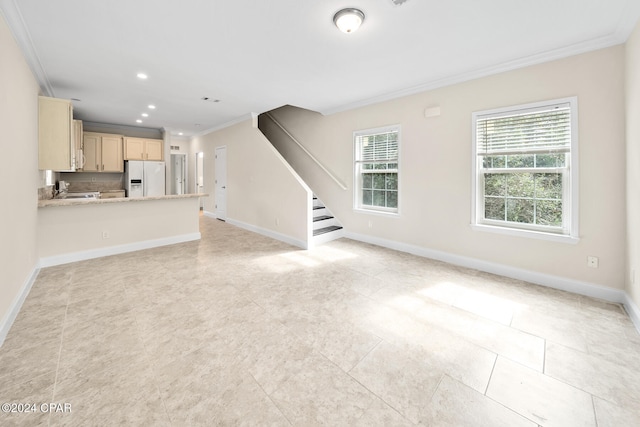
[{"x": 239, "y": 329}]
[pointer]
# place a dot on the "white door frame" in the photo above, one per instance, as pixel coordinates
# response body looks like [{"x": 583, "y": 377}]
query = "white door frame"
[{"x": 221, "y": 182}]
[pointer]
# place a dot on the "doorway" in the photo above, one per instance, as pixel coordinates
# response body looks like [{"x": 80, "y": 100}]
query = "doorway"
[
  {"x": 221, "y": 183},
  {"x": 178, "y": 174},
  {"x": 200, "y": 177}
]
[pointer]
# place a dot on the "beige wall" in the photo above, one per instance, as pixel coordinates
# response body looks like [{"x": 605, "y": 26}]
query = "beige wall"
[
  {"x": 435, "y": 161},
  {"x": 18, "y": 175},
  {"x": 67, "y": 230},
  {"x": 262, "y": 191},
  {"x": 633, "y": 165}
]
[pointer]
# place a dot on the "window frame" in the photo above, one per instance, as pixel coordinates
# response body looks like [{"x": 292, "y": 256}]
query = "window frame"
[
  {"x": 358, "y": 173},
  {"x": 569, "y": 233}
]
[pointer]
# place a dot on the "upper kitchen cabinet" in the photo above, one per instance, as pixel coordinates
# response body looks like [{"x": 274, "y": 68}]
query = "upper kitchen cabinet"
[
  {"x": 56, "y": 142},
  {"x": 102, "y": 152},
  {"x": 143, "y": 149}
]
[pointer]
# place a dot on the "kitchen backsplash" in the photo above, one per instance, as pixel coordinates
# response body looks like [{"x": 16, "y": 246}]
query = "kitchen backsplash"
[
  {"x": 81, "y": 182},
  {"x": 82, "y": 186},
  {"x": 46, "y": 192}
]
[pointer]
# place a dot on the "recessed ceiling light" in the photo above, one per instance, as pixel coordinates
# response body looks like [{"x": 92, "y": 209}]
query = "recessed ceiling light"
[
  {"x": 142, "y": 76},
  {"x": 152, "y": 107},
  {"x": 180, "y": 133},
  {"x": 138, "y": 121},
  {"x": 145, "y": 115},
  {"x": 197, "y": 124}
]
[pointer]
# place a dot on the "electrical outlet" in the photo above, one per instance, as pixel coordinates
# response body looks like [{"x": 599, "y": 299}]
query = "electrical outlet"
[
  {"x": 277, "y": 221},
  {"x": 370, "y": 224},
  {"x": 592, "y": 261},
  {"x": 105, "y": 234}
]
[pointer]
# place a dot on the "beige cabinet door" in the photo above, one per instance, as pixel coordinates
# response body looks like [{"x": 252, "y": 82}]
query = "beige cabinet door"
[
  {"x": 133, "y": 149},
  {"x": 55, "y": 127},
  {"x": 112, "y": 160},
  {"x": 154, "y": 149},
  {"x": 92, "y": 149}
]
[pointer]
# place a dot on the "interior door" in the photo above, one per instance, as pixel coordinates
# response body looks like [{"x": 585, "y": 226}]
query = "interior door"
[
  {"x": 221, "y": 183},
  {"x": 200, "y": 176},
  {"x": 178, "y": 174}
]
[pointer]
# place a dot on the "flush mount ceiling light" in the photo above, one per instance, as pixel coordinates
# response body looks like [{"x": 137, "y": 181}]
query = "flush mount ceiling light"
[
  {"x": 142, "y": 76},
  {"x": 348, "y": 20}
]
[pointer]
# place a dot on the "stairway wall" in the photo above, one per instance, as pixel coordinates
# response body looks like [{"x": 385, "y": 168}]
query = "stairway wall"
[{"x": 263, "y": 193}]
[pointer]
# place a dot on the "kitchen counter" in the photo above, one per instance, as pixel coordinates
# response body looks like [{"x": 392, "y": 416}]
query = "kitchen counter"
[
  {"x": 74, "y": 202},
  {"x": 90, "y": 228}
]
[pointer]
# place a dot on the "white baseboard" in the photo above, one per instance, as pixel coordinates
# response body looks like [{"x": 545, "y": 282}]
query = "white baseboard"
[
  {"x": 632, "y": 310},
  {"x": 16, "y": 305},
  {"x": 115, "y": 250},
  {"x": 269, "y": 233},
  {"x": 209, "y": 214},
  {"x": 556, "y": 282}
]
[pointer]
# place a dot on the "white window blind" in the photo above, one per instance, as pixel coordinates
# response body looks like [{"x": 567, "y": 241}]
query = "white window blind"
[
  {"x": 379, "y": 148},
  {"x": 542, "y": 130}
]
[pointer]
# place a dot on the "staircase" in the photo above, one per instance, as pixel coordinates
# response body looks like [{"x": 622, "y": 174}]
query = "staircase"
[{"x": 325, "y": 226}]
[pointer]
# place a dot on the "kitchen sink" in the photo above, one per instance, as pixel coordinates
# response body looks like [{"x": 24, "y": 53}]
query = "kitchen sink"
[{"x": 86, "y": 195}]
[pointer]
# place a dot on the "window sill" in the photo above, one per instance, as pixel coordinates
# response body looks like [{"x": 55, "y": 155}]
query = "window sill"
[
  {"x": 375, "y": 212},
  {"x": 560, "y": 238}
]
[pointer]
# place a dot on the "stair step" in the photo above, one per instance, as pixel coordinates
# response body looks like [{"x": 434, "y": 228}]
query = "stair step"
[
  {"x": 326, "y": 230},
  {"x": 321, "y": 218},
  {"x": 318, "y": 207}
]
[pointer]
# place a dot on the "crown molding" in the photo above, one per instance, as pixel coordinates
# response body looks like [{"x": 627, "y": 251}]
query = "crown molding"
[{"x": 9, "y": 9}]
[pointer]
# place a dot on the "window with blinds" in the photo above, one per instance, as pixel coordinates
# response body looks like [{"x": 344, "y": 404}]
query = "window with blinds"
[
  {"x": 523, "y": 161},
  {"x": 376, "y": 169}
]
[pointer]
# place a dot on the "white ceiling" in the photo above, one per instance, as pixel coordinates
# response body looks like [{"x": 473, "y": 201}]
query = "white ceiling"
[{"x": 256, "y": 55}]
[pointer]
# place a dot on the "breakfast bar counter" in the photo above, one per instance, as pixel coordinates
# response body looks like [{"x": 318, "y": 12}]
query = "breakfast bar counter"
[
  {"x": 78, "y": 229},
  {"x": 74, "y": 202}
]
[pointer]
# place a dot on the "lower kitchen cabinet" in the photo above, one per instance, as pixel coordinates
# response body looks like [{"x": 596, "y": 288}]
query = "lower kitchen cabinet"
[{"x": 102, "y": 152}]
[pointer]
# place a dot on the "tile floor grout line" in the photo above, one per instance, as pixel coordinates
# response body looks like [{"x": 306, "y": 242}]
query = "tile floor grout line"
[
  {"x": 271, "y": 399},
  {"x": 365, "y": 356},
  {"x": 64, "y": 325},
  {"x": 595, "y": 413},
  {"x": 371, "y": 391},
  {"x": 493, "y": 368},
  {"x": 513, "y": 410}
]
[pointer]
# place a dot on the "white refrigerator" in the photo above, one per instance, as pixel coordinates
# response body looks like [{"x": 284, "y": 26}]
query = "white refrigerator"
[{"x": 144, "y": 178}]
